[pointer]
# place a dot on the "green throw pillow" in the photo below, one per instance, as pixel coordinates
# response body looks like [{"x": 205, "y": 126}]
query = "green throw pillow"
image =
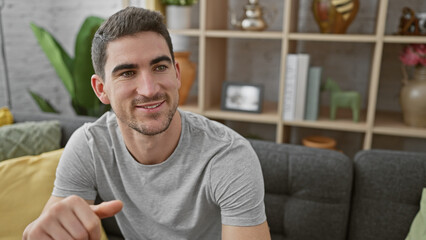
[
  {"x": 29, "y": 138},
  {"x": 418, "y": 227}
]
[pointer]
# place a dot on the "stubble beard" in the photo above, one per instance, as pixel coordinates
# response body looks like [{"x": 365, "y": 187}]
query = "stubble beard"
[
  {"x": 152, "y": 132},
  {"x": 134, "y": 124}
]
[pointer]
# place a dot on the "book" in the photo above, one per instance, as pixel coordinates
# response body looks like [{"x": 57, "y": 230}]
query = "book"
[
  {"x": 290, "y": 87},
  {"x": 313, "y": 93},
  {"x": 302, "y": 78}
]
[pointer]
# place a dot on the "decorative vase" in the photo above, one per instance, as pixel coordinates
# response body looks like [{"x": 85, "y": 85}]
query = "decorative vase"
[
  {"x": 179, "y": 17},
  {"x": 187, "y": 75},
  {"x": 413, "y": 98},
  {"x": 334, "y": 16}
]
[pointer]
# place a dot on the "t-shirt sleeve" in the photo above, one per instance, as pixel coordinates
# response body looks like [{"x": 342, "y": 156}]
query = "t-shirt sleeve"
[
  {"x": 75, "y": 174},
  {"x": 237, "y": 185}
]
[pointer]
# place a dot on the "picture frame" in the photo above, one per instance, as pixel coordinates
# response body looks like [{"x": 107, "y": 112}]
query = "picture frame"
[{"x": 242, "y": 97}]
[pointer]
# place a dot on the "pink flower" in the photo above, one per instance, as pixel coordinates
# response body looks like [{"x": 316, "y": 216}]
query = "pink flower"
[
  {"x": 420, "y": 48},
  {"x": 414, "y": 55}
]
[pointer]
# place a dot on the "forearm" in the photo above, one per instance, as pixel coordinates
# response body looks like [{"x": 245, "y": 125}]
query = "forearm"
[{"x": 258, "y": 232}]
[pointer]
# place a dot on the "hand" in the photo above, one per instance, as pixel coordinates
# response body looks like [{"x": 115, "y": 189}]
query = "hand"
[{"x": 71, "y": 218}]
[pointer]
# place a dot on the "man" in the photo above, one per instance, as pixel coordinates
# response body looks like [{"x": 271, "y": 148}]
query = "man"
[{"x": 176, "y": 175}]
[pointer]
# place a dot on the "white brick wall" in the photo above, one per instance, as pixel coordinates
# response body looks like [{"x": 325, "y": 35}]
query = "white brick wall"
[{"x": 28, "y": 66}]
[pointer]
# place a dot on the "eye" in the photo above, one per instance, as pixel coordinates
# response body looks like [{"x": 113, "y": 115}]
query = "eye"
[
  {"x": 161, "y": 68},
  {"x": 127, "y": 74}
]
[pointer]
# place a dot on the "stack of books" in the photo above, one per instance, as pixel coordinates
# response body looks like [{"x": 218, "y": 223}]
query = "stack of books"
[{"x": 302, "y": 89}]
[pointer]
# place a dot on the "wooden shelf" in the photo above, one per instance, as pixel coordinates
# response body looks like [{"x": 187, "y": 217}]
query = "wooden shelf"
[
  {"x": 390, "y": 123},
  {"x": 352, "y": 38},
  {"x": 213, "y": 62},
  {"x": 404, "y": 39},
  {"x": 186, "y": 32},
  {"x": 269, "y": 114},
  {"x": 343, "y": 121},
  {"x": 324, "y": 123},
  {"x": 243, "y": 34}
]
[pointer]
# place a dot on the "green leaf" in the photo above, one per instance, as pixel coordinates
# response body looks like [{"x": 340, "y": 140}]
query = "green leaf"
[
  {"x": 179, "y": 2},
  {"x": 44, "y": 105},
  {"x": 57, "y": 56},
  {"x": 83, "y": 68},
  {"x": 98, "y": 110},
  {"x": 79, "y": 110}
]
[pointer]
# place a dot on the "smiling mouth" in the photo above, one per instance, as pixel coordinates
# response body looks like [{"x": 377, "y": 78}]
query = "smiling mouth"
[{"x": 151, "y": 106}]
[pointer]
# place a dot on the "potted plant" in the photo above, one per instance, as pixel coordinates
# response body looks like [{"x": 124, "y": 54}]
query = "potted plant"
[
  {"x": 179, "y": 2},
  {"x": 74, "y": 72},
  {"x": 178, "y": 13}
]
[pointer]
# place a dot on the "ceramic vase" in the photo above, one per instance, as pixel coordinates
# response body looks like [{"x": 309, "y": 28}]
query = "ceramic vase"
[
  {"x": 413, "y": 98},
  {"x": 187, "y": 75},
  {"x": 334, "y": 16},
  {"x": 179, "y": 17}
]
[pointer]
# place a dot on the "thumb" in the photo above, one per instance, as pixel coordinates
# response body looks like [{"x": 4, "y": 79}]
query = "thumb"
[{"x": 107, "y": 209}]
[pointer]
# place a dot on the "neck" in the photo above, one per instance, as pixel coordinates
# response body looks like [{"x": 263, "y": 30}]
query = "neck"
[{"x": 149, "y": 150}]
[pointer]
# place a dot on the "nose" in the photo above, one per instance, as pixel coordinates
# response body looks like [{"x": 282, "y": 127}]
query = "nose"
[{"x": 146, "y": 85}]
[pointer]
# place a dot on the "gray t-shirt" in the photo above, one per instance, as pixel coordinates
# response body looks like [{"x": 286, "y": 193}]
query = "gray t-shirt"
[{"x": 213, "y": 177}]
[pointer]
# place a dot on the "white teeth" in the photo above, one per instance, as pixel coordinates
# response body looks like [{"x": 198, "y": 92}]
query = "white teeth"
[{"x": 153, "y": 106}]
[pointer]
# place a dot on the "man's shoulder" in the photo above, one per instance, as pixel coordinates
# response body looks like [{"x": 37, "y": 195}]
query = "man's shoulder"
[
  {"x": 198, "y": 124},
  {"x": 100, "y": 128}
]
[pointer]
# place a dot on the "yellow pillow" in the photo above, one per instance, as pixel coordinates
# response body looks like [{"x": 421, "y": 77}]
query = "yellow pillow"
[
  {"x": 26, "y": 184},
  {"x": 5, "y": 116}
]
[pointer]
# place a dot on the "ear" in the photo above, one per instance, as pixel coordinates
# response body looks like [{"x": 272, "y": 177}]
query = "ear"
[
  {"x": 98, "y": 86},
  {"x": 177, "y": 68}
]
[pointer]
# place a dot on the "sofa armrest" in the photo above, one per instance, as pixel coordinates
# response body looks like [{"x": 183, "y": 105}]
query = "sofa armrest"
[{"x": 68, "y": 123}]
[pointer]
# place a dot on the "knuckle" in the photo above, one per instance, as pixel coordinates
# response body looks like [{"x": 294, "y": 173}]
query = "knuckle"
[
  {"x": 81, "y": 235},
  {"x": 93, "y": 228},
  {"x": 56, "y": 209},
  {"x": 73, "y": 199},
  {"x": 33, "y": 233}
]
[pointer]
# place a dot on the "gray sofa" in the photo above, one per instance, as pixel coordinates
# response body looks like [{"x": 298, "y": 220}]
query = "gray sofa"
[{"x": 321, "y": 194}]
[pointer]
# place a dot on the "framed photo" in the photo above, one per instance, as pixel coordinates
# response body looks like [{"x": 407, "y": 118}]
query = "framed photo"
[{"x": 242, "y": 97}]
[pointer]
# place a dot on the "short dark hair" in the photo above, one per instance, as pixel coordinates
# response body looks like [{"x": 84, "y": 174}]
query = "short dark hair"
[{"x": 128, "y": 21}]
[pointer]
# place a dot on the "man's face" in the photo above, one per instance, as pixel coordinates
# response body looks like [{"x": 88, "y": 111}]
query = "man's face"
[{"x": 141, "y": 83}]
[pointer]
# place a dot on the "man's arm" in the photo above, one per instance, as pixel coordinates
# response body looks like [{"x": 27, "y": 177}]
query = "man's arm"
[
  {"x": 71, "y": 218},
  {"x": 259, "y": 232}
]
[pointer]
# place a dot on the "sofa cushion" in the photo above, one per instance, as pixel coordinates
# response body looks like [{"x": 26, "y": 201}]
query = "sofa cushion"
[
  {"x": 26, "y": 185},
  {"x": 307, "y": 191},
  {"x": 387, "y": 191},
  {"x": 418, "y": 226},
  {"x": 29, "y": 138},
  {"x": 68, "y": 123}
]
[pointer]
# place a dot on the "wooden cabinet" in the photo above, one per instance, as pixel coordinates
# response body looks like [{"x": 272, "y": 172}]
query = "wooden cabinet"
[{"x": 214, "y": 37}]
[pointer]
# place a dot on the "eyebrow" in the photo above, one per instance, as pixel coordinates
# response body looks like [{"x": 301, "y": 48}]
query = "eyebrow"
[
  {"x": 160, "y": 59},
  {"x": 124, "y": 66},
  {"x": 133, "y": 66}
]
